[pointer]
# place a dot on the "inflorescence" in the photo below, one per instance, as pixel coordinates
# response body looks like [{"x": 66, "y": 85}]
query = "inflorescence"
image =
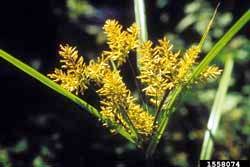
[{"x": 160, "y": 71}]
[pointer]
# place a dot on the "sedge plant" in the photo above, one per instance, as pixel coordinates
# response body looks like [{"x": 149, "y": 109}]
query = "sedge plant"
[{"x": 163, "y": 75}]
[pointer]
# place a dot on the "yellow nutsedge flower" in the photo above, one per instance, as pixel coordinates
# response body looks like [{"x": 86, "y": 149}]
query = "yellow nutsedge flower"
[
  {"x": 141, "y": 119},
  {"x": 67, "y": 81},
  {"x": 97, "y": 69},
  {"x": 211, "y": 72},
  {"x": 72, "y": 75},
  {"x": 132, "y": 37},
  {"x": 116, "y": 97},
  {"x": 157, "y": 67},
  {"x": 186, "y": 64},
  {"x": 161, "y": 70},
  {"x": 120, "y": 42}
]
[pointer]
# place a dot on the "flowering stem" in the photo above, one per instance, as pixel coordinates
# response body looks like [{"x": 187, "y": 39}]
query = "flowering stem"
[
  {"x": 141, "y": 21},
  {"x": 138, "y": 86},
  {"x": 134, "y": 132},
  {"x": 113, "y": 65},
  {"x": 140, "y": 18},
  {"x": 160, "y": 107}
]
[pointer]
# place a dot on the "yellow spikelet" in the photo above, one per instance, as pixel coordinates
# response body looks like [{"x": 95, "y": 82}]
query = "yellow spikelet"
[
  {"x": 120, "y": 42},
  {"x": 72, "y": 75},
  {"x": 186, "y": 64},
  {"x": 97, "y": 69},
  {"x": 157, "y": 67},
  {"x": 132, "y": 37},
  {"x": 211, "y": 72},
  {"x": 115, "y": 96}
]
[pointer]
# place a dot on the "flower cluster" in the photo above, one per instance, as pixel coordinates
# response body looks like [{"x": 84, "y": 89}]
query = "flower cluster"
[
  {"x": 120, "y": 42},
  {"x": 161, "y": 70},
  {"x": 158, "y": 68},
  {"x": 71, "y": 76},
  {"x": 116, "y": 99}
]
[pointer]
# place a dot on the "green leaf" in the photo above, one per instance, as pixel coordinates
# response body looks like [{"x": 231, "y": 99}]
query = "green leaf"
[{"x": 216, "y": 111}]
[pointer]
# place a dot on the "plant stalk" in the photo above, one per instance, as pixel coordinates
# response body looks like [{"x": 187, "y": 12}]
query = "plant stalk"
[{"x": 140, "y": 19}]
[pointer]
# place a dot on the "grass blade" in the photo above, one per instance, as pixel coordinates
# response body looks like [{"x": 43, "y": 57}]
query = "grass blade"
[
  {"x": 176, "y": 92},
  {"x": 51, "y": 84},
  {"x": 215, "y": 115}
]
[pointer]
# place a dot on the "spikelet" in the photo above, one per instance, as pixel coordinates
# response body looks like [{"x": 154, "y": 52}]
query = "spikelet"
[
  {"x": 157, "y": 66},
  {"x": 120, "y": 42},
  {"x": 116, "y": 97},
  {"x": 210, "y": 73},
  {"x": 97, "y": 69},
  {"x": 71, "y": 76},
  {"x": 186, "y": 64}
]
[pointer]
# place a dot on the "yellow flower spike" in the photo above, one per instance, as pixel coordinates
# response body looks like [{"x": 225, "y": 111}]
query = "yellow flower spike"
[
  {"x": 96, "y": 70},
  {"x": 157, "y": 67},
  {"x": 72, "y": 76},
  {"x": 115, "y": 97},
  {"x": 186, "y": 64},
  {"x": 132, "y": 37},
  {"x": 120, "y": 42},
  {"x": 211, "y": 72}
]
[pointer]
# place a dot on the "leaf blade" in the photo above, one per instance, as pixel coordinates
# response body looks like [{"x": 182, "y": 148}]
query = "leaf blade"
[{"x": 216, "y": 111}]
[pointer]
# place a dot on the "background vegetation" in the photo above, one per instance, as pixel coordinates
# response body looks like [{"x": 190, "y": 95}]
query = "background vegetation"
[{"x": 41, "y": 128}]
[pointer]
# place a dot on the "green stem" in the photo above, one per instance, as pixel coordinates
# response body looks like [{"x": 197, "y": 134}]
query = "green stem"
[
  {"x": 158, "y": 110},
  {"x": 140, "y": 18},
  {"x": 134, "y": 132},
  {"x": 216, "y": 112},
  {"x": 141, "y": 21}
]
